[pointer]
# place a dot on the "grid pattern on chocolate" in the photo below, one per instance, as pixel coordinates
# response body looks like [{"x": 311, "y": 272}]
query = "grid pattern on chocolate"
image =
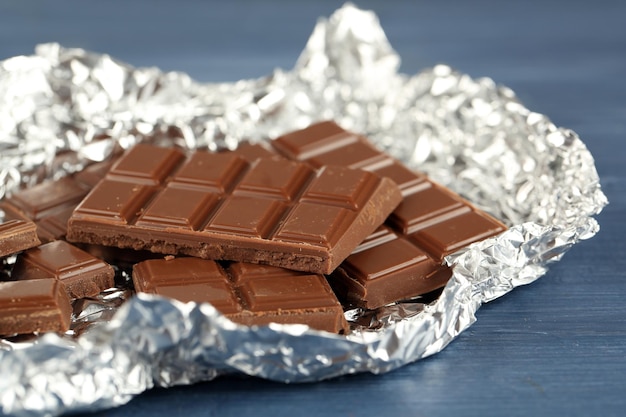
[
  {"x": 33, "y": 306},
  {"x": 221, "y": 206},
  {"x": 51, "y": 203},
  {"x": 249, "y": 294},
  {"x": 404, "y": 258},
  {"x": 41, "y": 199},
  {"x": 82, "y": 274},
  {"x": 16, "y": 231},
  {"x": 386, "y": 269}
]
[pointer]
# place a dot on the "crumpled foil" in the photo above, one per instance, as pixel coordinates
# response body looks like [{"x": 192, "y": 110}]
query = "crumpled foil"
[{"x": 64, "y": 108}]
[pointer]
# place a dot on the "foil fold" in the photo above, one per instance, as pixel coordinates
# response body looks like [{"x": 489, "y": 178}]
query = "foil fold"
[{"x": 64, "y": 108}]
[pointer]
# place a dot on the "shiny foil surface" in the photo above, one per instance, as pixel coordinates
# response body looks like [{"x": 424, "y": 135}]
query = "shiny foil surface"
[{"x": 61, "y": 109}]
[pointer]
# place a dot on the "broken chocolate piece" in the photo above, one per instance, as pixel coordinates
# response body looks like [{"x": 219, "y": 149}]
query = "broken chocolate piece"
[
  {"x": 50, "y": 203},
  {"x": 271, "y": 210},
  {"x": 404, "y": 258},
  {"x": 34, "y": 306},
  {"x": 16, "y": 232},
  {"x": 249, "y": 294},
  {"x": 82, "y": 274}
]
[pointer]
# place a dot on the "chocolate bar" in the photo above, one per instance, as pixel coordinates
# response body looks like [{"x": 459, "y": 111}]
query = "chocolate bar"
[
  {"x": 403, "y": 258},
  {"x": 221, "y": 206},
  {"x": 249, "y": 294},
  {"x": 34, "y": 306},
  {"x": 16, "y": 231},
  {"x": 82, "y": 274}
]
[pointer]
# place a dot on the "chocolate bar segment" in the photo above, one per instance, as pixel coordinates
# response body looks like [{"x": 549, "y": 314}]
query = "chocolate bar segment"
[
  {"x": 391, "y": 268},
  {"x": 222, "y": 206},
  {"x": 40, "y": 200},
  {"x": 151, "y": 274},
  {"x": 249, "y": 294},
  {"x": 16, "y": 231},
  {"x": 404, "y": 258},
  {"x": 187, "y": 279},
  {"x": 82, "y": 274},
  {"x": 51, "y": 203},
  {"x": 33, "y": 306}
]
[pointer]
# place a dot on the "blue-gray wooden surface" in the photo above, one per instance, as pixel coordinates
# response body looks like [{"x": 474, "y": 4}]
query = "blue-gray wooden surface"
[{"x": 556, "y": 347}]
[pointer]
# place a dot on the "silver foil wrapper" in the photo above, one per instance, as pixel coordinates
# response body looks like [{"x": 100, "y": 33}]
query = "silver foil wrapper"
[{"x": 64, "y": 108}]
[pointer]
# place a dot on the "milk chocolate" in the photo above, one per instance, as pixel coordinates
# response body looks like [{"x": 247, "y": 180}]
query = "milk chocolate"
[
  {"x": 33, "y": 306},
  {"x": 49, "y": 204},
  {"x": 122, "y": 258},
  {"x": 93, "y": 173},
  {"x": 17, "y": 232},
  {"x": 82, "y": 274},
  {"x": 47, "y": 197},
  {"x": 249, "y": 294},
  {"x": 403, "y": 258},
  {"x": 222, "y": 206}
]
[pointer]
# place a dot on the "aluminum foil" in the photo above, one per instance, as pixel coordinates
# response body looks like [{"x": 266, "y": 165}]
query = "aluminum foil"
[{"x": 61, "y": 109}]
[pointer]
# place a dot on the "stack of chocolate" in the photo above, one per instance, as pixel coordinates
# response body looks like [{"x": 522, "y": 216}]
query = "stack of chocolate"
[{"x": 294, "y": 230}]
